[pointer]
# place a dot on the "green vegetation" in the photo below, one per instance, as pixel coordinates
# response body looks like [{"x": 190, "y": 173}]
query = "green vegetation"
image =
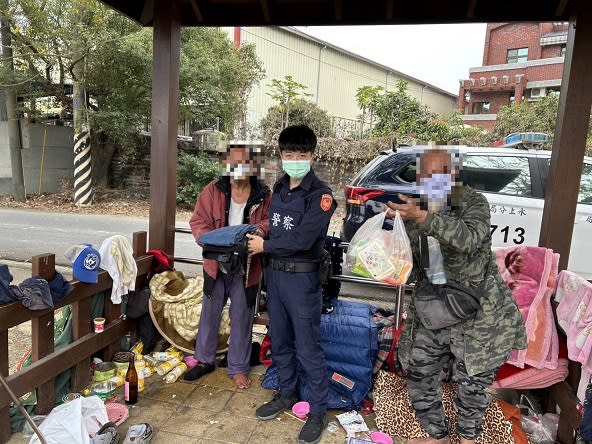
[{"x": 193, "y": 174}]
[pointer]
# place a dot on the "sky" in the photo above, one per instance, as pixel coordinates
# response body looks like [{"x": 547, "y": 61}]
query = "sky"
[{"x": 436, "y": 54}]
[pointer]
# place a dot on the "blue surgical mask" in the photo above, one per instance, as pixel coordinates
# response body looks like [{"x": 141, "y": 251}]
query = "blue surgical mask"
[
  {"x": 436, "y": 187},
  {"x": 296, "y": 169}
]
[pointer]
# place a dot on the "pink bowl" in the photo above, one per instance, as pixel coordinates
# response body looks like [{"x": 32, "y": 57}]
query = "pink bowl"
[
  {"x": 301, "y": 409},
  {"x": 381, "y": 438}
]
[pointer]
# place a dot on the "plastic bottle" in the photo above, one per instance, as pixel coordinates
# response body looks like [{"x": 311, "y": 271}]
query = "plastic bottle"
[
  {"x": 167, "y": 366},
  {"x": 131, "y": 383},
  {"x": 175, "y": 373}
]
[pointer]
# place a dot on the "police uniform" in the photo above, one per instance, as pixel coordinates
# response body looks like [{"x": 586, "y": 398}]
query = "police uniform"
[{"x": 299, "y": 219}]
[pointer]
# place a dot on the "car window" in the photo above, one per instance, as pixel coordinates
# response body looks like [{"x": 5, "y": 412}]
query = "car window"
[
  {"x": 406, "y": 174},
  {"x": 585, "y": 194},
  {"x": 497, "y": 174}
]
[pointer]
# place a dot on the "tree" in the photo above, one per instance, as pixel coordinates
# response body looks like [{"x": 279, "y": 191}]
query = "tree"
[
  {"x": 538, "y": 116},
  {"x": 301, "y": 112},
  {"x": 404, "y": 116},
  {"x": 52, "y": 39},
  {"x": 364, "y": 96},
  {"x": 14, "y": 139},
  {"x": 285, "y": 91}
]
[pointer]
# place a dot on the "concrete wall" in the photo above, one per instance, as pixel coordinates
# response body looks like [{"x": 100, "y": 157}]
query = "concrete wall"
[{"x": 58, "y": 158}]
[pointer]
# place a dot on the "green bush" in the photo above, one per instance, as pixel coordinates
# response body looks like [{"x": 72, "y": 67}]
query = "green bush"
[{"x": 193, "y": 174}]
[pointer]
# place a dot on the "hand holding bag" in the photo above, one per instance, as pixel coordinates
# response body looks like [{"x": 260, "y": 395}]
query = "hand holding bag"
[{"x": 445, "y": 305}]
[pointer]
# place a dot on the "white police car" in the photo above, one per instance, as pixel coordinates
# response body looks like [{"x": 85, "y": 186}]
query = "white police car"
[{"x": 513, "y": 180}]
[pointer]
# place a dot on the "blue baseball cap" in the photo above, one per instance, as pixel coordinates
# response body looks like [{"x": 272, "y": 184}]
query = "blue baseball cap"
[{"x": 85, "y": 263}]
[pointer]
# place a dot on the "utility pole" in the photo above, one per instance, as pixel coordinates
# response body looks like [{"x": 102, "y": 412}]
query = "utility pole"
[{"x": 14, "y": 134}]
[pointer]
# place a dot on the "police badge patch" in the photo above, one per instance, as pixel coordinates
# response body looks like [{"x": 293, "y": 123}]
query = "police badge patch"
[{"x": 326, "y": 201}]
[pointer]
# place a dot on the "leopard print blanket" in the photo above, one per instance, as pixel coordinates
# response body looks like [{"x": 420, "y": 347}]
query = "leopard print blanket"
[{"x": 395, "y": 415}]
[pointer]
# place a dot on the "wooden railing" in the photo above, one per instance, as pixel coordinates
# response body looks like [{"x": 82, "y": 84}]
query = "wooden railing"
[{"x": 48, "y": 362}]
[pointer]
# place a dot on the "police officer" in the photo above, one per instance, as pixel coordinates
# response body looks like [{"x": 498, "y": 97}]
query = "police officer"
[{"x": 300, "y": 211}]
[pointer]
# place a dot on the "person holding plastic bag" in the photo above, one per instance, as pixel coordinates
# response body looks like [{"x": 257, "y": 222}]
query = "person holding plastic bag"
[
  {"x": 462, "y": 315},
  {"x": 382, "y": 255}
]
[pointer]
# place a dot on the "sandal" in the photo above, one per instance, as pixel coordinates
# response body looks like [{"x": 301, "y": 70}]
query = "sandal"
[{"x": 139, "y": 434}]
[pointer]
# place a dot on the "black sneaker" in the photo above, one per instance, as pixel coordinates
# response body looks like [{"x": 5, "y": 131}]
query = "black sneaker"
[
  {"x": 313, "y": 429},
  {"x": 276, "y": 406}
]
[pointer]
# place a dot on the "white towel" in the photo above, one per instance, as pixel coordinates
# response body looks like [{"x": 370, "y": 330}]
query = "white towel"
[{"x": 118, "y": 260}]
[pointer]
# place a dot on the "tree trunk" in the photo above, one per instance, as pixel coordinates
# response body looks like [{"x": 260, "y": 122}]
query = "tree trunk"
[
  {"x": 83, "y": 192},
  {"x": 101, "y": 160},
  {"x": 14, "y": 134}
]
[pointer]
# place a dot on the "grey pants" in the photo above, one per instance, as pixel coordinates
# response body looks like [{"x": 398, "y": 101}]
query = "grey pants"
[
  {"x": 431, "y": 359},
  {"x": 241, "y": 320}
]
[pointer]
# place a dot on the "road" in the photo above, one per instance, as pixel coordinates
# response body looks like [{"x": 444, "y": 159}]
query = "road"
[{"x": 26, "y": 233}]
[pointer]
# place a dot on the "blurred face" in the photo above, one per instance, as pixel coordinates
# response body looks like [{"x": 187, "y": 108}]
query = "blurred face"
[
  {"x": 238, "y": 164},
  {"x": 435, "y": 178}
]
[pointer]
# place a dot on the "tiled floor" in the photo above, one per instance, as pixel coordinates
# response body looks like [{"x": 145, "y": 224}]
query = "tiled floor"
[{"x": 212, "y": 410}]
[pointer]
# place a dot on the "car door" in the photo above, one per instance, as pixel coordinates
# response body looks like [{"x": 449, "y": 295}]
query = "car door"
[
  {"x": 580, "y": 257},
  {"x": 509, "y": 182}
]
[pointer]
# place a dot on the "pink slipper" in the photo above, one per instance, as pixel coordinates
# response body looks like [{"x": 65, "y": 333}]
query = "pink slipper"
[{"x": 191, "y": 361}]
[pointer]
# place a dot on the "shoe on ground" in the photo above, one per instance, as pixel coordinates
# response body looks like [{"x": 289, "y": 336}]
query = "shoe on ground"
[
  {"x": 276, "y": 406},
  {"x": 312, "y": 431},
  {"x": 198, "y": 371},
  {"x": 107, "y": 434},
  {"x": 139, "y": 434}
]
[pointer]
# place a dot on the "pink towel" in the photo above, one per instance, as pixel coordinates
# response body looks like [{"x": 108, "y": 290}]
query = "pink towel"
[
  {"x": 531, "y": 274},
  {"x": 574, "y": 315},
  {"x": 534, "y": 378}
]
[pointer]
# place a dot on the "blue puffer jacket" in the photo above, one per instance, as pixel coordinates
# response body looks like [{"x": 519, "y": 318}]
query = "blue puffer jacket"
[{"x": 349, "y": 338}]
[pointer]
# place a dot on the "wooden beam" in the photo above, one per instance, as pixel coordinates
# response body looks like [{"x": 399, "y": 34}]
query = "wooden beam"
[
  {"x": 265, "y": 9},
  {"x": 471, "y": 6},
  {"x": 15, "y": 313},
  {"x": 147, "y": 14},
  {"x": 197, "y": 11},
  {"x": 49, "y": 367},
  {"x": 561, "y": 8},
  {"x": 338, "y": 6},
  {"x": 165, "y": 113},
  {"x": 569, "y": 144},
  {"x": 389, "y": 9}
]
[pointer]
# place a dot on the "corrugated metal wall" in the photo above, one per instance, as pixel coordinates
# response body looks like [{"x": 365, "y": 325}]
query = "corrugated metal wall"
[{"x": 331, "y": 76}]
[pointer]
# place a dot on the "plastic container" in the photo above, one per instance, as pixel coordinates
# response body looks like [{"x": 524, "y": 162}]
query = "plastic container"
[
  {"x": 301, "y": 409},
  {"x": 381, "y": 438}
]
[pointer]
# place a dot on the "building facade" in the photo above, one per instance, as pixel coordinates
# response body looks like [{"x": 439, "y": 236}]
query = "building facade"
[
  {"x": 521, "y": 61},
  {"x": 331, "y": 74}
]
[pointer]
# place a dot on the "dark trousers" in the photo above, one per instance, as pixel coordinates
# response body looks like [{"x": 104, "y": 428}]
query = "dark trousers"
[
  {"x": 294, "y": 302},
  {"x": 430, "y": 360}
]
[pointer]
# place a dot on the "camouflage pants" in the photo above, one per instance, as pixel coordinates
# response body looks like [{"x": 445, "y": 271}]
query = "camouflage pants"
[{"x": 430, "y": 363}]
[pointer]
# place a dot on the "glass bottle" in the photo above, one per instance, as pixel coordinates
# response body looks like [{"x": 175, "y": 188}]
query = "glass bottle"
[{"x": 131, "y": 382}]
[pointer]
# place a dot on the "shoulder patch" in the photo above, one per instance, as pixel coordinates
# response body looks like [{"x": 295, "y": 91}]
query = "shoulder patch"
[{"x": 326, "y": 201}]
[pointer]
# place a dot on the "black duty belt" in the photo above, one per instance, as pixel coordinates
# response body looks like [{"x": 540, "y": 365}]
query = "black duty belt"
[{"x": 293, "y": 267}]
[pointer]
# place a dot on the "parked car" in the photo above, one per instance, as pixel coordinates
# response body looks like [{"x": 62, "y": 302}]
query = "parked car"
[{"x": 512, "y": 180}]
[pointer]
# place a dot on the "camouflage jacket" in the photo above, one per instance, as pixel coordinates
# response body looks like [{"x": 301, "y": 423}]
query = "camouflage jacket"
[{"x": 485, "y": 341}]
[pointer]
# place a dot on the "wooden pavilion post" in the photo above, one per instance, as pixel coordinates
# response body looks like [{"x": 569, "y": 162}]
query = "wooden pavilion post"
[
  {"x": 569, "y": 143},
  {"x": 163, "y": 148}
]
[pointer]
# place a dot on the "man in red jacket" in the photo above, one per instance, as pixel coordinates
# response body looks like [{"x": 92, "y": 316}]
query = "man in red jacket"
[{"x": 236, "y": 197}]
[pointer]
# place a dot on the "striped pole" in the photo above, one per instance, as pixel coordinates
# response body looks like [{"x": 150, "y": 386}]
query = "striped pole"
[{"x": 83, "y": 193}]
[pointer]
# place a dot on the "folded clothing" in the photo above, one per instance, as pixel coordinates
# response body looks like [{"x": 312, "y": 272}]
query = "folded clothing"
[{"x": 226, "y": 236}]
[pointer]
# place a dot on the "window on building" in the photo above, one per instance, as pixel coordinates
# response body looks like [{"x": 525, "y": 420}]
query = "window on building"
[
  {"x": 517, "y": 55},
  {"x": 562, "y": 50},
  {"x": 497, "y": 174},
  {"x": 481, "y": 107}
]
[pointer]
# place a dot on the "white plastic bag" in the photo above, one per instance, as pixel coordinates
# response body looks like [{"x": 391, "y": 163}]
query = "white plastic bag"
[
  {"x": 540, "y": 429},
  {"x": 73, "y": 422},
  {"x": 380, "y": 254}
]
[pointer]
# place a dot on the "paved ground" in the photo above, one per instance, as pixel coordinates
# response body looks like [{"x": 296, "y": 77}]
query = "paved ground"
[{"x": 213, "y": 411}]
